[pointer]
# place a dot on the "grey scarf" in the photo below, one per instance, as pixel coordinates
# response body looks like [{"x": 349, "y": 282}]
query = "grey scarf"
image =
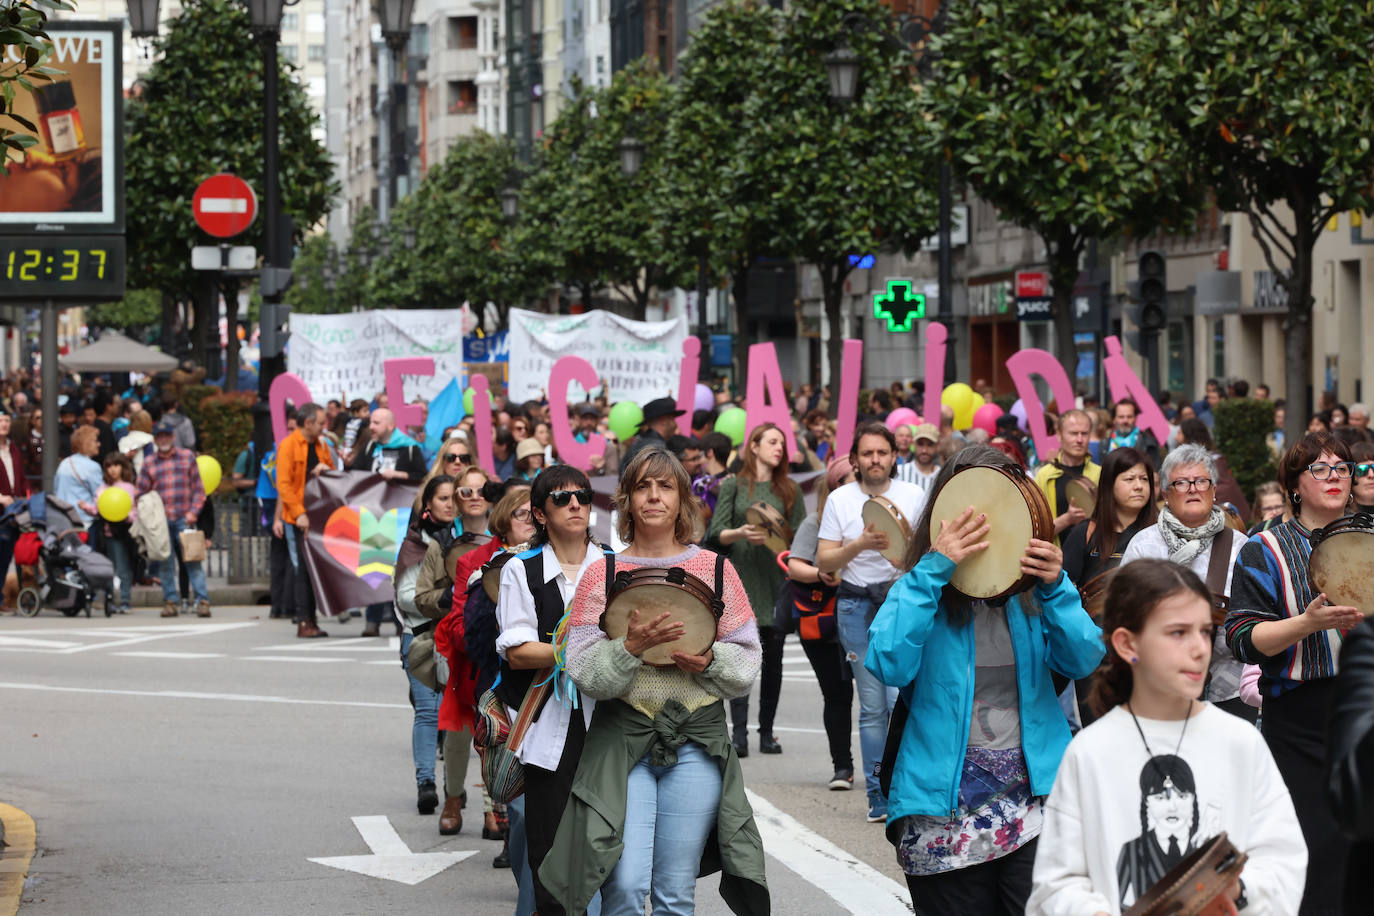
[{"x": 1186, "y": 543}]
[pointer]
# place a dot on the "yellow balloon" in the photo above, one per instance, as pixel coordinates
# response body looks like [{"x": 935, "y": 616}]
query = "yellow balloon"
[
  {"x": 114, "y": 504},
  {"x": 959, "y": 398},
  {"x": 210, "y": 472}
]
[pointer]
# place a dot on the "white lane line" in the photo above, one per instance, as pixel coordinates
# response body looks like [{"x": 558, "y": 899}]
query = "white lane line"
[
  {"x": 169, "y": 654},
  {"x": 855, "y": 885},
  {"x": 292, "y": 658},
  {"x": 21, "y": 642},
  {"x": 384, "y": 661},
  {"x": 192, "y": 695},
  {"x": 371, "y": 646}
]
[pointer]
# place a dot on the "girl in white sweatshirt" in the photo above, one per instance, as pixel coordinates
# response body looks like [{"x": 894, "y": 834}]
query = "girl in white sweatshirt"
[{"x": 1161, "y": 772}]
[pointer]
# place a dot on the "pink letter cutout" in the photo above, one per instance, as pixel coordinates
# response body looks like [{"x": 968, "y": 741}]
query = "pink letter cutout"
[
  {"x": 1126, "y": 384},
  {"x": 286, "y": 386},
  {"x": 481, "y": 415},
  {"x": 1022, "y": 365},
  {"x": 570, "y": 369},
  {"x": 765, "y": 401},
  {"x": 851, "y": 368},
  {"x": 936, "y": 335},
  {"x": 687, "y": 383},
  {"x": 407, "y": 415}
]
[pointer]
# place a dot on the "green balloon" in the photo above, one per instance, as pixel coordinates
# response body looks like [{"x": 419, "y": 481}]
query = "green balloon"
[
  {"x": 624, "y": 419},
  {"x": 731, "y": 422},
  {"x": 467, "y": 402}
]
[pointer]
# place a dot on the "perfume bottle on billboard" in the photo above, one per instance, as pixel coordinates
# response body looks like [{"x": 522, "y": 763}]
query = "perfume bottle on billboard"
[{"x": 59, "y": 120}]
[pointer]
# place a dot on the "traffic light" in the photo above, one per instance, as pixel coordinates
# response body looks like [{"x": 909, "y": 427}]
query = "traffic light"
[
  {"x": 1154, "y": 290},
  {"x": 272, "y": 331}
]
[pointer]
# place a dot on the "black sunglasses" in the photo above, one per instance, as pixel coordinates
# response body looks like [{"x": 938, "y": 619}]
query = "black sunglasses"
[
  {"x": 461, "y": 459},
  {"x": 561, "y": 498}
]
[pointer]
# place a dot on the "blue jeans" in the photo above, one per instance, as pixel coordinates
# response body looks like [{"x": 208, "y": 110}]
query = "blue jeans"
[
  {"x": 519, "y": 858},
  {"x": 167, "y": 571},
  {"x": 669, "y": 814},
  {"x": 852, "y": 618},
  {"x": 118, "y": 551},
  {"x": 424, "y": 731}
]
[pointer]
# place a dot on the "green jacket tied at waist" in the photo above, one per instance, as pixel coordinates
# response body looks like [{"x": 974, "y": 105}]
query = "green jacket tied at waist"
[{"x": 589, "y": 839}]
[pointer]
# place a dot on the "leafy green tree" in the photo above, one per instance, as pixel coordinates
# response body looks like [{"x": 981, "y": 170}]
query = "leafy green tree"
[
  {"x": 1276, "y": 97},
  {"x": 844, "y": 180},
  {"x": 1047, "y": 111},
  {"x": 198, "y": 113},
  {"x": 21, "y": 35},
  {"x": 313, "y": 269},
  {"x": 136, "y": 314}
]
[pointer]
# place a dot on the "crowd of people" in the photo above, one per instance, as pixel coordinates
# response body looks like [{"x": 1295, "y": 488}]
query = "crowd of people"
[{"x": 1035, "y": 751}]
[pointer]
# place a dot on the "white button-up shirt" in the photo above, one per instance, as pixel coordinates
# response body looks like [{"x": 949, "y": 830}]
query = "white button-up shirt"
[{"x": 543, "y": 744}]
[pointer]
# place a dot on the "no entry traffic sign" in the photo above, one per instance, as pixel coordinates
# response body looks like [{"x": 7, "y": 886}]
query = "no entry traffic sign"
[{"x": 224, "y": 205}]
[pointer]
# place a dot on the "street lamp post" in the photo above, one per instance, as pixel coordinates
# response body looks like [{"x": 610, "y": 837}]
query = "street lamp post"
[
  {"x": 395, "y": 16},
  {"x": 842, "y": 68},
  {"x": 143, "y": 18}
]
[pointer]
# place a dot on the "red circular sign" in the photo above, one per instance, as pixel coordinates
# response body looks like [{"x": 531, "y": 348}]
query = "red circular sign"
[{"x": 224, "y": 205}]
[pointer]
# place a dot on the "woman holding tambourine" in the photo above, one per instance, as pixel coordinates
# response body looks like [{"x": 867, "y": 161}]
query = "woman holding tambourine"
[
  {"x": 985, "y": 734},
  {"x": 1280, "y": 620},
  {"x": 763, "y": 478},
  {"x": 658, "y": 775}
]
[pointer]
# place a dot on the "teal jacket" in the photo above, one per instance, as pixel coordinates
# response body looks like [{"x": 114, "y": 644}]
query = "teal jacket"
[
  {"x": 912, "y": 646},
  {"x": 589, "y": 840}
]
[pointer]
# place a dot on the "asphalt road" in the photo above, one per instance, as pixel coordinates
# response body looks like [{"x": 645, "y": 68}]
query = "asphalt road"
[{"x": 197, "y": 766}]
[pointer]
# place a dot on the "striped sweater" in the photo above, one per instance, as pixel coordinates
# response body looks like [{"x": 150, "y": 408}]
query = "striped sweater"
[
  {"x": 603, "y": 670},
  {"x": 1270, "y": 582}
]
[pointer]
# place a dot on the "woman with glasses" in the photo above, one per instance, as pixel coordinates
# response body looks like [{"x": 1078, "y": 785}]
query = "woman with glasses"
[
  {"x": 659, "y": 776},
  {"x": 1279, "y": 621},
  {"x": 1362, "y": 480},
  {"x": 1271, "y": 507},
  {"x": 1192, "y": 531},
  {"x": 536, "y": 588}
]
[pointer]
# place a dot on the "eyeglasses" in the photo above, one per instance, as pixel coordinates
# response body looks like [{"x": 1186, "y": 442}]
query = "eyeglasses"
[
  {"x": 1362, "y": 469},
  {"x": 1201, "y": 484},
  {"x": 1323, "y": 471},
  {"x": 561, "y": 498},
  {"x": 521, "y": 515},
  {"x": 469, "y": 492},
  {"x": 460, "y": 459}
]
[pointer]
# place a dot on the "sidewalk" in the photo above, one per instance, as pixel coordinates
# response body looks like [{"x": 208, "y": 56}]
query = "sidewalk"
[
  {"x": 17, "y": 843},
  {"x": 221, "y": 594}
]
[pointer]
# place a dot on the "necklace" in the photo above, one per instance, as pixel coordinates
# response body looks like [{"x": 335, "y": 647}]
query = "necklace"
[{"x": 1164, "y": 778}]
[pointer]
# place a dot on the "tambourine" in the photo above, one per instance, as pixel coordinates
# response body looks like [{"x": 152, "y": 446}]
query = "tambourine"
[
  {"x": 491, "y": 574},
  {"x": 1194, "y": 883},
  {"x": 651, "y": 590},
  {"x": 778, "y": 534},
  {"x": 1017, "y": 511},
  {"x": 883, "y": 514},
  {"x": 1342, "y": 562},
  {"x": 1081, "y": 494}
]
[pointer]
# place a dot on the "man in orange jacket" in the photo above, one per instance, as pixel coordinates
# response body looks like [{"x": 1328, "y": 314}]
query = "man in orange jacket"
[{"x": 300, "y": 456}]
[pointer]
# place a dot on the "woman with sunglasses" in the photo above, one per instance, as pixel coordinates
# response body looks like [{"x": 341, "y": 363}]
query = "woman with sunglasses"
[
  {"x": 468, "y": 493},
  {"x": 1279, "y": 621},
  {"x": 451, "y": 459},
  {"x": 1192, "y": 532},
  {"x": 536, "y": 587},
  {"x": 1362, "y": 480},
  {"x": 762, "y": 478},
  {"x": 658, "y": 776}
]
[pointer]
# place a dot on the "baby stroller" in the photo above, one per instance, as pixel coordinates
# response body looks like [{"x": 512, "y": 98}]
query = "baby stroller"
[{"x": 50, "y": 538}]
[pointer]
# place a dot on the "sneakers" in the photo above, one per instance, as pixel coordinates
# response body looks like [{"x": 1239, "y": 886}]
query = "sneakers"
[
  {"x": 843, "y": 780},
  {"x": 877, "y": 808},
  {"x": 169, "y": 609},
  {"x": 202, "y": 609},
  {"x": 427, "y": 797}
]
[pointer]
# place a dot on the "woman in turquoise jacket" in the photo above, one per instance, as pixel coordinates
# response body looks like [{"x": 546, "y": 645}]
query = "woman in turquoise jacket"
[{"x": 985, "y": 734}]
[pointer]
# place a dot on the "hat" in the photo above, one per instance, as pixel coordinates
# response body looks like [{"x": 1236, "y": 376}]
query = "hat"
[
  {"x": 71, "y": 405},
  {"x": 925, "y": 431},
  {"x": 839, "y": 469},
  {"x": 528, "y": 447},
  {"x": 165, "y": 428},
  {"x": 588, "y": 409},
  {"x": 660, "y": 407}
]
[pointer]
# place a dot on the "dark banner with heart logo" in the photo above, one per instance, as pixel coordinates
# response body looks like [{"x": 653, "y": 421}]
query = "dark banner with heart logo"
[{"x": 357, "y": 523}]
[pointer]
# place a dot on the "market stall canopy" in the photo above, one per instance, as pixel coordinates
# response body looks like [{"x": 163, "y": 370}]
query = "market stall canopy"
[{"x": 114, "y": 352}]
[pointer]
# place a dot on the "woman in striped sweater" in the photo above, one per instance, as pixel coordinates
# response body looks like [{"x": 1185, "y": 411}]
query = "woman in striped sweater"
[
  {"x": 658, "y": 776},
  {"x": 1280, "y": 622}
]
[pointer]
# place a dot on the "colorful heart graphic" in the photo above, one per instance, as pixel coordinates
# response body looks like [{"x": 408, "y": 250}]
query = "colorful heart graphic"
[{"x": 364, "y": 544}]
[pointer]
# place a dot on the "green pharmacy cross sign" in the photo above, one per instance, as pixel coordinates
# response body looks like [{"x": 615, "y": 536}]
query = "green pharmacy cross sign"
[{"x": 899, "y": 306}]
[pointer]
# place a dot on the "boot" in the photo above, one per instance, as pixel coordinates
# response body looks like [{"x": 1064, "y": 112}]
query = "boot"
[
  {"x": 451, "y": 820},
  {"x": 768, "y": 744},
  {"x": 427, "y": 797},
  {"x": 741, "y": 742},
  {"x": 371, "y": 629},
  {"x": 306, "y": 629},
  {"x": 502, "y": 859}
]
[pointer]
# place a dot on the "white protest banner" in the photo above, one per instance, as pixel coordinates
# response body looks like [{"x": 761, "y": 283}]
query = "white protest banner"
[
  {"x": 637, "y": 360},
  {"x": 333, "y": 353}
]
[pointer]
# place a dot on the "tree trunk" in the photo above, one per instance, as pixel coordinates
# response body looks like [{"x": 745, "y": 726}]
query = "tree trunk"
[
  {"x": 206, "y": 292},
  {"x": 832, "y": 289},
  {"x": 1064, "y": 253},
  {"x": 1297, "y": 329},
  {"x": 231, "y": 337},
  {"x": 169, "y": 324},
  {"x": 739, "y": 292}
]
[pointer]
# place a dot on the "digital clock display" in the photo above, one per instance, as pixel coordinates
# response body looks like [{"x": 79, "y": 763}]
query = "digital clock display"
[{"x": 62, "y": 267}]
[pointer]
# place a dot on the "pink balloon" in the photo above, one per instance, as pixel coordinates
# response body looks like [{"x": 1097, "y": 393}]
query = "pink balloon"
[
  {"x": 705, "y": 397},
  {"x": 985, "y": 418},
  {"x": 902, "y": 416}
]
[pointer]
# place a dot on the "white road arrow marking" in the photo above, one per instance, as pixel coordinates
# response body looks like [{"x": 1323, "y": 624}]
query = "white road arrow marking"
[{"x": 391, "y": 858}]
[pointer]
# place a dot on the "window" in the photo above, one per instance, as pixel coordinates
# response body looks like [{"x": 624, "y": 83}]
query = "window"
[
  {"x": 291, "y": 53},
  {"x": 462, "y": 97},
  {"x": 315, "y": 53},
  {"x": 290, "y": 22},
  {"x": 462, "y": 32}
]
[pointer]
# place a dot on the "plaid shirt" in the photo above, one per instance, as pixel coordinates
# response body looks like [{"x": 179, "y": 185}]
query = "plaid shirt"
[{"x": 176, "y": 478}]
